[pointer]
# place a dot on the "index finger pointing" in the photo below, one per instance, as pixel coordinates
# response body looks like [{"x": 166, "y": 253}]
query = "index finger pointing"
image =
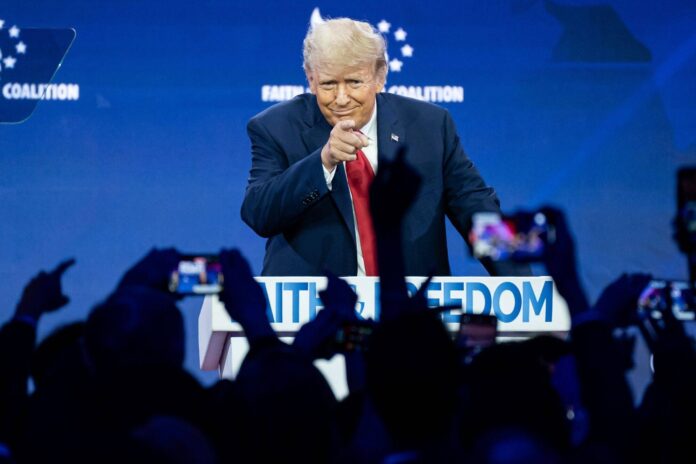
[
  {"x": 64, "y": 266},
  {"x": 346, "y": 125}
]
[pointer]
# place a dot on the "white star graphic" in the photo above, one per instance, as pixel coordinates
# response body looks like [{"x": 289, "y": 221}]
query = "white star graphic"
[
  {"x": 395, "y": 65},
  {"x": 9, "y": 62},
  {"x": 2, "y": 23},
  {"x": 14, "y": 32},
  {"x": 22, "y": 48},
  {"x": 383, "y": 26},
  {"x": 407, "y": 50},
  {"x": 400, "y": 35}
]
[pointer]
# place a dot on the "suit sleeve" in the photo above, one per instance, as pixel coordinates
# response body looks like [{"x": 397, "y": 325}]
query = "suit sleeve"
[
  {"x": 465, "y": 191},
  {"x": 279, "y": 193}
]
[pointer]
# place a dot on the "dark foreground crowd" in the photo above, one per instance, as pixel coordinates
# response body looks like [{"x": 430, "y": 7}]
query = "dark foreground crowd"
[{"x": 112, "y": 388}]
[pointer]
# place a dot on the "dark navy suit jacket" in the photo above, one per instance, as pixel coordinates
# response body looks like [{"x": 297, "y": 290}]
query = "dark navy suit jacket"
[{"x": 310, "y": 228}]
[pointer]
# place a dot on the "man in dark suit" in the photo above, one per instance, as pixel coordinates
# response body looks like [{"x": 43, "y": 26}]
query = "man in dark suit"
[{"x": 302, "y": 190}]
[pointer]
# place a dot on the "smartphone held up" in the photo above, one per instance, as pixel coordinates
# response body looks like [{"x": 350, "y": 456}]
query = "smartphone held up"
[
  {"x": 523, "y": 236},
  {"x": 476, "y": 332},
  {"x": 686, "y": 210},
  {"x": 660, "y": 296},
  {"x": 354, "y": 336},
  {"x": 197, "y": 274}
]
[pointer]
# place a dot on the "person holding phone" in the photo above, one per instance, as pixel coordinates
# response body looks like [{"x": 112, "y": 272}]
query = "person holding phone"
[{"x": 313, "y": 156}]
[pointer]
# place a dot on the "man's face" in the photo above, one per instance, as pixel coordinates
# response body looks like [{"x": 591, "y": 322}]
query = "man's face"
[{"x": 345, "y": 93}]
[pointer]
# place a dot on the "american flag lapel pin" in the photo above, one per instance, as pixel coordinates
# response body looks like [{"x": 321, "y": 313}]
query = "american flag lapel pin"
[{"x": 395, "y": 138}]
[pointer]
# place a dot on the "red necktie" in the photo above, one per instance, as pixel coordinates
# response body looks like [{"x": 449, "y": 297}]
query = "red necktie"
[{"x": 360, "y": 175}]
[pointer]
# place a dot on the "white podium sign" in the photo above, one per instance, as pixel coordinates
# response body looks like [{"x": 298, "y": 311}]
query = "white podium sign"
[{"x": 524, "y": 306}]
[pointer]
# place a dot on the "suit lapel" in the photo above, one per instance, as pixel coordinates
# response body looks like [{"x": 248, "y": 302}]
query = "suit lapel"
[
  {"x": 340, "y": 193},
  {"x": 316, "y": 131},
  {"x": 315, "y": 135},
  {"x": 390, "y": 132}
]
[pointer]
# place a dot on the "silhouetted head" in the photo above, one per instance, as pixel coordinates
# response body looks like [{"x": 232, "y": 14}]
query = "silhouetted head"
[
  {"x": 513, "y": 446},
  {"x": 136, "y": 326},
  {"x": 286, "y": 408},
  {"x": 509, "y": 386},
  {"x": 169, "y": 440},
  {"x": 412, "y": 374}
]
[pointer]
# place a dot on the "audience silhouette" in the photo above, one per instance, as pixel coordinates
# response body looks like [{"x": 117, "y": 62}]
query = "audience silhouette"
[{"x": 112, "y": 388}]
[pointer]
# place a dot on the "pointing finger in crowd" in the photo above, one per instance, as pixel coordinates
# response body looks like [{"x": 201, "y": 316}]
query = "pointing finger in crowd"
[{"x": 62, "y": 267}]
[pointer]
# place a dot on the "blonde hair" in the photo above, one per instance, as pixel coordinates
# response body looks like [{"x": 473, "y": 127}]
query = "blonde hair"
[{"x": 344, "y": 42}]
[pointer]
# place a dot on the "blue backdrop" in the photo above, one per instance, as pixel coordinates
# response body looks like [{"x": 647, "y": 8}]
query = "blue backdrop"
[{"x": 588, "y": 106}]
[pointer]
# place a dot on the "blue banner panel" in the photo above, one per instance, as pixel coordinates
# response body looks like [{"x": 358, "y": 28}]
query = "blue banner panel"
[{"x": 32, "y": 56}]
